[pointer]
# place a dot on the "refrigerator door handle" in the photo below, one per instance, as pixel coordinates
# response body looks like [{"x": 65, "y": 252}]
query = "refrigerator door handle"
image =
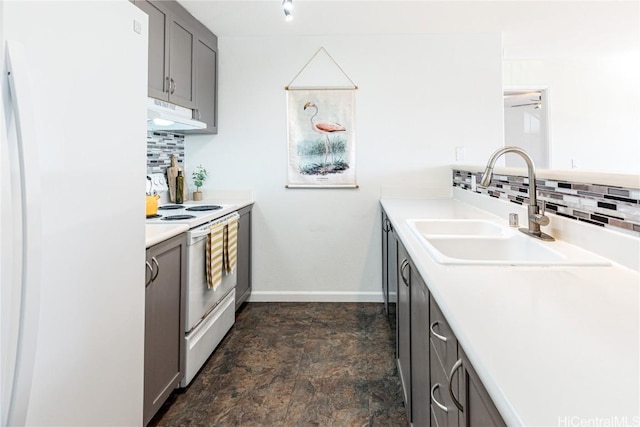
[{"x": 31, "y": 213}]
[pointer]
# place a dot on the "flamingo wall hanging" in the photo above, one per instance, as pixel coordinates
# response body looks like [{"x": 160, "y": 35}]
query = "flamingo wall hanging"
[{"x": 321, "y": 126}]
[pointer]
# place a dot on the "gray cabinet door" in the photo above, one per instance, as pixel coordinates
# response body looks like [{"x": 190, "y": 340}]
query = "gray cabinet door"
[
  {"x": 385, "y": 260},
  {"x": 444, "y": 341},
  {"x": 478, "y": 408},
  {"x": 420, "y": 385},
  {"x": 181, "y": 71},
  {"x": 158, "y": 50},
  {"x": 206, "y": 82},
  {"x": 164, "y": 323},
  {"x": 404, "y": 326},
  {"x": 443, "y": 357},
  {"x": 243, "y": 286}
]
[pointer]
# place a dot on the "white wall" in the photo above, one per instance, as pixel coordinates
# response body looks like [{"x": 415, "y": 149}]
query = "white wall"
[
  {"x": 419, "y": 97},
  {"x": 594, "y": 109}
]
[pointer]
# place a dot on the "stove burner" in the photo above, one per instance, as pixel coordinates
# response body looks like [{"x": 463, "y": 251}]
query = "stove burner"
[
  {"x": 170, "y": 207},
  {"x": 204, "y": 208},
  {"x": 154, "y": 216},
  {"x": 177, "y": 217}
]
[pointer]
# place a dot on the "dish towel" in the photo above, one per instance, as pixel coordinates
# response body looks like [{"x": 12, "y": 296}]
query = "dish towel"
[
  {"x": 230, "y": 256},
  {"x": 214, "y": 254}
]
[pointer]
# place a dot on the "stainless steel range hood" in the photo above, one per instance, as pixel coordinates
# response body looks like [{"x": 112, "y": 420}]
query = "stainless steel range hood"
[{"x": 163, "y": 116}]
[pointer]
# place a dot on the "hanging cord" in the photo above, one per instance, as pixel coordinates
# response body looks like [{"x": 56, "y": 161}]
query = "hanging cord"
[{"x": 288, "y": 87}]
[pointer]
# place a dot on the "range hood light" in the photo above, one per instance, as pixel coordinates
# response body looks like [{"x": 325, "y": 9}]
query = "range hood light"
[
  {"x": 162, "y": 122},
  {"x": 163, "y": 116}
]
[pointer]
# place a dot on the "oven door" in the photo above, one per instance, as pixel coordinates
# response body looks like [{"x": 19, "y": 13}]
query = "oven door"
[{"x": 200, "y": 299}]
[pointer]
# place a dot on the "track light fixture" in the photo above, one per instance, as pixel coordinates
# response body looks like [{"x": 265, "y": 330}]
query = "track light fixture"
[{"x": 287, "y": 7}]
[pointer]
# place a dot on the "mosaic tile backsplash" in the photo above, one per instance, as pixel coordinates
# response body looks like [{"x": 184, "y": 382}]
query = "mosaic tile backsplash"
[
  {"x": 160, "y": 147},
  {"x": 600, "y": 205}
]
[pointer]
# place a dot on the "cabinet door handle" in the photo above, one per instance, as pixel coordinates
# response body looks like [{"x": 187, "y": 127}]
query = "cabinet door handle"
[
  {"x": 386, "y": 226},
  {"x": 155, "y": 261},
  {"x": 148, "y": 266},
  {"x": 167, "y": 85},
  {"x": 435, "y": 334},
  {"x": 455, "y": 367},
  {"x": 404, "y": 265},
  {"x": 433, "y": 398},
  {"x": 172, "y": 86}
]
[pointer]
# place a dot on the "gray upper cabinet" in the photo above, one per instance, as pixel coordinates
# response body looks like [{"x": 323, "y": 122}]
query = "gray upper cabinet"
[
  {"x": 206, "y": 81},
  {"x": 181, "y": 71},
  {"x": 183, "y": 61},
  {"x": 158, "y": 50},
  {"x": 171, "y": 52}
]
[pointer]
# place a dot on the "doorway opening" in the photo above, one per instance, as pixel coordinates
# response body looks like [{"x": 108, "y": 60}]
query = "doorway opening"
[{"x": 526, "y": 124}]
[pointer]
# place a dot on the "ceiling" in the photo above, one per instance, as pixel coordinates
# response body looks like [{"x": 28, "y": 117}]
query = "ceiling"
[{"x": 531, "y": 29}]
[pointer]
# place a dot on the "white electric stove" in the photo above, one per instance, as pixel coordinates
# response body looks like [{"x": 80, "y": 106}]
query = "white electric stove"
[
  {"x": 209, "y": 313},
  {"x": 191, "y": 213}
]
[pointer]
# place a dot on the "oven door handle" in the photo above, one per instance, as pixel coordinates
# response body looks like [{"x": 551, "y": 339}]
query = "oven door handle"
[{"x": 199, "y": 233}]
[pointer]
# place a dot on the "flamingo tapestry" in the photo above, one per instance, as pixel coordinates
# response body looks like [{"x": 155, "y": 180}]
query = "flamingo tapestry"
[{"x": 321, "y": 137}]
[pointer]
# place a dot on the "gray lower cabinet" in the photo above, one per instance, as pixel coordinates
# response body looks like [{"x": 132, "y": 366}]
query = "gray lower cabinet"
[
  {"x": 439, "y": 385},
  {"x": 458, "y": 397},
  {"x": 477, "y": 407},
  {"x": 420, "y": 385},
  {"x": 164, "y": 322},
  {"x": 389, "y": 268},
  {"x": 444, "y": 355},
  {"x": 403, "y": 330},
  {"x": 243, "y": 286}
]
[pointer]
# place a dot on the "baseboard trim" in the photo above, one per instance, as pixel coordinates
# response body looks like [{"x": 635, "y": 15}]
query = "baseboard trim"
[{"x": 311, "y": 296}]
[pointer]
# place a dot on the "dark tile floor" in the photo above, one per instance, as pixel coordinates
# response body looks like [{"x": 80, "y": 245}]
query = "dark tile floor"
[{"x": 296, "y": 364}]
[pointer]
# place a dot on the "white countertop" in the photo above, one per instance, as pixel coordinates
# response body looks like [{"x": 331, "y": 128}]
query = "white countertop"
[
  {"x": 552, "y": 345},
  {"x": 157, "y": 233}
]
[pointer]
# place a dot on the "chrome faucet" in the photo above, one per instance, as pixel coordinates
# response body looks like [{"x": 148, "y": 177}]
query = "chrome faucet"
[{"x": 535, "y": 216}]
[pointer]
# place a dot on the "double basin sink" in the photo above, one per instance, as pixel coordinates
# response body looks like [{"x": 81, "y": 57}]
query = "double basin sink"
[{"x": 484, "y": 242}]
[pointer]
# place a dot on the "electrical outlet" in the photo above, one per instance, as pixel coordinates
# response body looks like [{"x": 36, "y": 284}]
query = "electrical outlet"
[{"x": 459, "y": 153}]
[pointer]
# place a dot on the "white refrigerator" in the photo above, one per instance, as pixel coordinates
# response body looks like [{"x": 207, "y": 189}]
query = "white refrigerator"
[{"x": 72, "y": 167}]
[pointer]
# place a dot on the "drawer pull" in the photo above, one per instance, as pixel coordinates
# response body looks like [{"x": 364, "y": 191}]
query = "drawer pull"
[
  {"x": 155, "y": 261},
  {"x": 148, "y": 266},
  {"x": 455, "y": 367},
  {"x": 404, "y": 265},
  {"x": 435, "y": 334},
  {"x": 433, "y": 398}
]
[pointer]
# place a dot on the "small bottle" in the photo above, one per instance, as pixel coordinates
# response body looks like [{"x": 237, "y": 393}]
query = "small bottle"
[{"x": 179, "y": 188}]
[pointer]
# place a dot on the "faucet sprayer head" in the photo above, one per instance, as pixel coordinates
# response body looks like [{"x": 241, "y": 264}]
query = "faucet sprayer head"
[{"x": 486, "y": 177}]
